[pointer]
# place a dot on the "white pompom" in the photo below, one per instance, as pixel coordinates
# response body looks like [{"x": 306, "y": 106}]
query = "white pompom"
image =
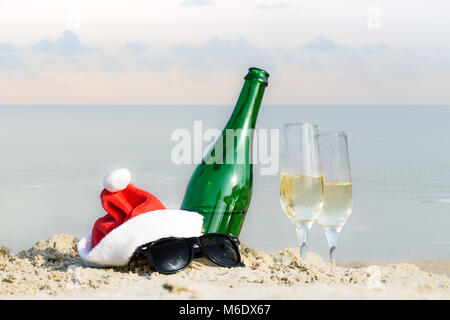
[{"x": 117, "y": 180}]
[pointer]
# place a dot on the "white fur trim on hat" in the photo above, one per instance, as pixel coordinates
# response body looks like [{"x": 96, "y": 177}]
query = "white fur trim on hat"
[
  {"x": 117, "y": 180},
  {"x": 118, "y": 246}
]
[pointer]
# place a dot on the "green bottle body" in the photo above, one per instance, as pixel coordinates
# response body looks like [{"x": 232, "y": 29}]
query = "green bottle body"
[{"x": 220, "y": 188}]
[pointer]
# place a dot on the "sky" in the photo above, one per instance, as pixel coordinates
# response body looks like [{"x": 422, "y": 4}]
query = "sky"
[{"x": 191, "y": 52}]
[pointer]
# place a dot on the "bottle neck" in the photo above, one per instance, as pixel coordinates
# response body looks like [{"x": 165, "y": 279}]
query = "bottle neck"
[{"x": 247, "y": 107}]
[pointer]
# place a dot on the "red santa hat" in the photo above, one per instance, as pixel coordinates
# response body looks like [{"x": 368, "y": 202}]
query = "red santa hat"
[{"x": 135, "y": 217}]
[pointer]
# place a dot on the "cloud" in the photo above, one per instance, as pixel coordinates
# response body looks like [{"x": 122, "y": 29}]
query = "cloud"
[
  {"x": 321, "y": 43},
  {"x": 324, "y": 53},
  {"x": 9, "y": 61},
  {"x": 6, "y": 47},
  {"x": 43, "y": 46},
  {"x": 221, "y": 53},
  {"x": 68, "y": 44},
  {"x": 196, "y": 3},
  {"x": 136, "y": 46},
  {"x": 377, "y": 49},
  {"x": 338, "y": 56},
  {"x": 279, "y": 5}
]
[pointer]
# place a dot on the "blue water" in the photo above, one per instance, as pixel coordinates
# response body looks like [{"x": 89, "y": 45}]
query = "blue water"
[{"x": 53, "y": 160}]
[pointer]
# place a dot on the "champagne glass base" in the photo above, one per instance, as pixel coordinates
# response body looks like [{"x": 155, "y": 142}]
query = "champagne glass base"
[
  {"x": 332, "y": 234},
  {"x": 303, "y": 229}
]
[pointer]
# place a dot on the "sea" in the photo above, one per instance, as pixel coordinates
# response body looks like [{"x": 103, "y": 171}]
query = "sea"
[{"x": 53, "y": 160}]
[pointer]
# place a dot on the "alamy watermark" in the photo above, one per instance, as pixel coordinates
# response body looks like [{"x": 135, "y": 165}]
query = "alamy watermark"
[
  {"x": 373, "y": 21},
  {"x": 73, "y": 22},
  {"x": 250, "y": 146}
]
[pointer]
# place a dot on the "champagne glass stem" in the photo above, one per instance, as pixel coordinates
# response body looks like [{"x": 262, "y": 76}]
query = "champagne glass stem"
[
  {"x": 303, "y": 235},
  {"x": 332, "y": 238}
]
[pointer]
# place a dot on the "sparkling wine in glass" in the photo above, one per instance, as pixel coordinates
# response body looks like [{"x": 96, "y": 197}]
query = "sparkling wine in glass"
[
  {"x": 338, "y": 198},
  {"x": 301, "y": 185}
]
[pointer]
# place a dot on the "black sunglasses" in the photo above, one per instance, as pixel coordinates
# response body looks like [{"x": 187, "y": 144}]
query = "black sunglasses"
[{"x": 170, "y": 255}]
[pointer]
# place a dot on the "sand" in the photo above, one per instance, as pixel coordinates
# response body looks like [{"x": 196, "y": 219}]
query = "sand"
[{"x": 52, "y": 269}]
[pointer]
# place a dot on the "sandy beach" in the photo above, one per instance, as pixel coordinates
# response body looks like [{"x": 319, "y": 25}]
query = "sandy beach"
[{"x": 52, "y": 269}]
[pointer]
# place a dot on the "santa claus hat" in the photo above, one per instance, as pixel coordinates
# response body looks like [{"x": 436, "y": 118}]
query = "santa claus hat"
[{"x": 135, "y": 217}]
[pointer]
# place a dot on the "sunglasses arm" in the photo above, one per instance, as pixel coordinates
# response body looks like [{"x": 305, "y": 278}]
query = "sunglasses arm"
[{"x": 142, "y": 252}]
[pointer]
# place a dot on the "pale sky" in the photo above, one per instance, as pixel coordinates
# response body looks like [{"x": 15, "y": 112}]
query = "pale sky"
[{"x": 353, "y": 52}]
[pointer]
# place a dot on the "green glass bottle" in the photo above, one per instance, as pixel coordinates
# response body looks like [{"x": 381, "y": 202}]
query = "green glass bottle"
[{"x": 220, "y": 188}]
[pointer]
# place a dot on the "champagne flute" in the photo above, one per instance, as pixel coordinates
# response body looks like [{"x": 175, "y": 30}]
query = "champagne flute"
[
  {"x": 301, "y": 186},
  {"x": 338, "y": 202}
]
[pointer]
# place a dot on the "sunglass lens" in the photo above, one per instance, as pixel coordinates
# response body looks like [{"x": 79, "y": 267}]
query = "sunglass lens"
[
  {"x": 170, "y": 255},
  {"x": 221, "y": 249}
]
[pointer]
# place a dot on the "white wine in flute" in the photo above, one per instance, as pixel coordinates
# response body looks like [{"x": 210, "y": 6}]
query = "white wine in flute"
[
  {"x": 301, "y": 179},
  {"x": 337, "y": 206},
  {"x": 301, "y": 197},
  {"x": 338, "y": 203}
]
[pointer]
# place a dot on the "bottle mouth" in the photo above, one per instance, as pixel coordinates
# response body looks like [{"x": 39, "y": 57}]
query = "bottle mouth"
[{"x": 258, "y": 75}]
